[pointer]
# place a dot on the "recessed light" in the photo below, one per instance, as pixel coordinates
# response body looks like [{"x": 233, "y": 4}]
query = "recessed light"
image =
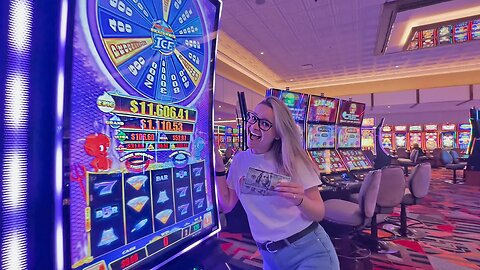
[
  {"x": 219, "y": 106},
  {"x": 388, "y": 106},
  {"x": 291, "y": 80},
  {"x": 219, "y": 118},
  {"x": 261, "y": 52},
  {"x": 397, "y": 66}
]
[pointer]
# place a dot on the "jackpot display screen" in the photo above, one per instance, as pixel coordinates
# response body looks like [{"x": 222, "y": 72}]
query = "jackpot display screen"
[
  {"x": 348, "y": 137},
  {"x": 355, "y": 159},
  {"x": 322, "y": 109},
  {"x": 328, "y": 161},
  {"x": 350, "y": 113},
  {"x": 296, "y": 102},
  {"x": 320, "y": 136},
  {"x": 141, "y": 181}
]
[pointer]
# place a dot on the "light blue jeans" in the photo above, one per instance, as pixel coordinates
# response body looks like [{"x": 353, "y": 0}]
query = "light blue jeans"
[{"x": 313, "y": 251}]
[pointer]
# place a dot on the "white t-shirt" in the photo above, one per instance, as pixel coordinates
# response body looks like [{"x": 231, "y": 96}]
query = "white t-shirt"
[{"x": 271, "y": 218}]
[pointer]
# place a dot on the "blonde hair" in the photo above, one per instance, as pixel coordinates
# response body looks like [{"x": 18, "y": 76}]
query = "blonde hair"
[{"x": 288, "y": 150}]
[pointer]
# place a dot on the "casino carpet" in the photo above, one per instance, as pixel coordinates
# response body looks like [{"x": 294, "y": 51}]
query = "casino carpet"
[{"x": 451, "y": 214}]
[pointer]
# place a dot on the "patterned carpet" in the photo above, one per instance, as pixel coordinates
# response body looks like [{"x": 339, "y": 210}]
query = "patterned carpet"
[{"x": 451, "y": 214}]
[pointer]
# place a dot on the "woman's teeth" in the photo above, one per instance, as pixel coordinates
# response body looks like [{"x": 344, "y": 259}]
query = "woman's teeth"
[{"x": 254, "y": 136}]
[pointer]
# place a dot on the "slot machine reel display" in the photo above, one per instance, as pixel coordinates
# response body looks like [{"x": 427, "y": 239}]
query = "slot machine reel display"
[
  {"x": 387, "y": 138},
  {"x": 415, "y": 135},
  {"x": 431, "y": 137},
  {"x": 449, "y": 136},
  {"x": 400, "y": 137},
  {"x": 140, "y": 130},
  {"x": 368, "y": 134},
  {"x": 464, "y": 131}
]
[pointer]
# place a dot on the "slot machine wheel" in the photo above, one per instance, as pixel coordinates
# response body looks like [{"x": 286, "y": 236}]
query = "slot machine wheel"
[{"x": 155, "y": 48}]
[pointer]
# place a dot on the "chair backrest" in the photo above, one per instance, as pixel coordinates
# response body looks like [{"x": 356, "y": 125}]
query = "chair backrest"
[
  {"x": 455, "y": 156},
  {"x": 445, "y": 157},
  {"x": 414, "y": 155},
  {"x": 420, "y": 180},
  {"x": 367, "y": 197},
  {"x": 402, "y": 152},
  {"x": 392, "y": 187}
]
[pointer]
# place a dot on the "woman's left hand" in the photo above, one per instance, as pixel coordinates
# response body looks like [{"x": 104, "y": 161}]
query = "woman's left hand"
[{"x": 291, "y": 191}]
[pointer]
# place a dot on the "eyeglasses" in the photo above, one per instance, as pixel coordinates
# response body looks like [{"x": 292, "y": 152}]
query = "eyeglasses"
[{"x": 263, "y": 124}]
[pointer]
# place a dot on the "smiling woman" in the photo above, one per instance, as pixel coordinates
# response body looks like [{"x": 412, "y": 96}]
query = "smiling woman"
[{"x": 283, "y": 221}]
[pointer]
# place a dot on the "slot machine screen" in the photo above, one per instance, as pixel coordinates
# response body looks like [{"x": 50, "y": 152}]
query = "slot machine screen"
[
  {"x": 321, "y": 136},
  {"x": 328, "y": 161},
  {"x": 355, "y": 159},
  {"x": 348, "y": 137},
  {"x": 322, "y": 109},
  {"x": 350, "y": 113},
  {"x": 296, "y": 102},
  {"x": 140, "y": 123}
]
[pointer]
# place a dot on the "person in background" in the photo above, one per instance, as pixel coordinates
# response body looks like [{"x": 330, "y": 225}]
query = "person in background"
[
  {"x": 285, "y": 225},
  {"x": 421, "y": 153}
]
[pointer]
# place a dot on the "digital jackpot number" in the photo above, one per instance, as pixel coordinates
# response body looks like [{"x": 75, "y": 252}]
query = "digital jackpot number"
[{"x": 159, "y": 110}]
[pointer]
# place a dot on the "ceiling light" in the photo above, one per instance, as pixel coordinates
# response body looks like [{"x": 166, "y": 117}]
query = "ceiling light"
[
  {"x": 219, "y": 106},
  {"x": 291, "y": 80},
  {"x": 388, "y": 106},
  {"x": 262, "y": 53},
  {"x": 397, "y": 66},
  {"x": 219, "y": 118}
]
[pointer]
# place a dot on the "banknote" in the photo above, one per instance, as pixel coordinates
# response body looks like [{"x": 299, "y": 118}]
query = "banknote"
[{"x": 260, "y": 182}]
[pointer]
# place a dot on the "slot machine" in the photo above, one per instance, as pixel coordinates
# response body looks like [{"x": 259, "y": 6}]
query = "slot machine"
[
  {"x": 415, "y": 136},
  {"x": 400, "y": 133},
  {"x": 320, "y": 141},
  {"x": 298, "y": 105},
  {"x": 387, "y": 141},
  {"x": 368, "y": 134},
  {"x": 118, "y": 173},
  {"x": 349, "y": 120},
  {"x": 448, "y": 136},
  {"x": 431, "y": 137},
  {"x": 463, "y": 138}
]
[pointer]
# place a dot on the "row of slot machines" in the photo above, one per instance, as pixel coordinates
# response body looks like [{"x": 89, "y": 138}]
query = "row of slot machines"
[
  {"x": 226, "y": 136},
  {"x": 331, "y": 132},
  {"x": 428, "y": 137}
]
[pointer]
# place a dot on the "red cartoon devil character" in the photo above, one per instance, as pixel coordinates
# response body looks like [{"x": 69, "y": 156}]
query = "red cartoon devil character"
[{"x": 96, "y": 145}]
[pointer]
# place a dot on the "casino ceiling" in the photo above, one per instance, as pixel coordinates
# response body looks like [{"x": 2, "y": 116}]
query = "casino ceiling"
[{"x": 346, "y": 47}]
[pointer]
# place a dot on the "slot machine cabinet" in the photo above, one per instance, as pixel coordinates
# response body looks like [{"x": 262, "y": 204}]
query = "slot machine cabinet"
[
  {"x": 400, "y": 137},
  {"x": 368, "y": 134},
  {"x": 463, "y": 138},
  {"x": 415, "y": 136},
  {"x": 107, "y": 134},
  {"x": 349, "y": 120},
  {"x": 448, "y": 136},
  {"x": 387, "y": 138},
  {"x": 431, "y": 137}
]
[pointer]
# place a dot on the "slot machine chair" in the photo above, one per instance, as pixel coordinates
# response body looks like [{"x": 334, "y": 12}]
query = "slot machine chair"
[
  {"x": 390, "y": 195},
  {"x": 408, "y": 162},
  {"x": 436, "y": 159},
  {"x": 418, "y": 186},
  {"x": 449, "y": 162},
  {"x": 350, "y": 216}
]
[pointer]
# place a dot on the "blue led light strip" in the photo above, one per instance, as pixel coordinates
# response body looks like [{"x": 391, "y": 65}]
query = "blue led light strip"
[{"x": 14, "y": 189}]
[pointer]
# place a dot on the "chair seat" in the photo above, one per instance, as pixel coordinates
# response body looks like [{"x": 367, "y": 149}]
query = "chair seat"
[
  {"x": 406, "y": 161},
  {"x": 343, "y": 212},
  {"x": 457, "y": 166}
]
